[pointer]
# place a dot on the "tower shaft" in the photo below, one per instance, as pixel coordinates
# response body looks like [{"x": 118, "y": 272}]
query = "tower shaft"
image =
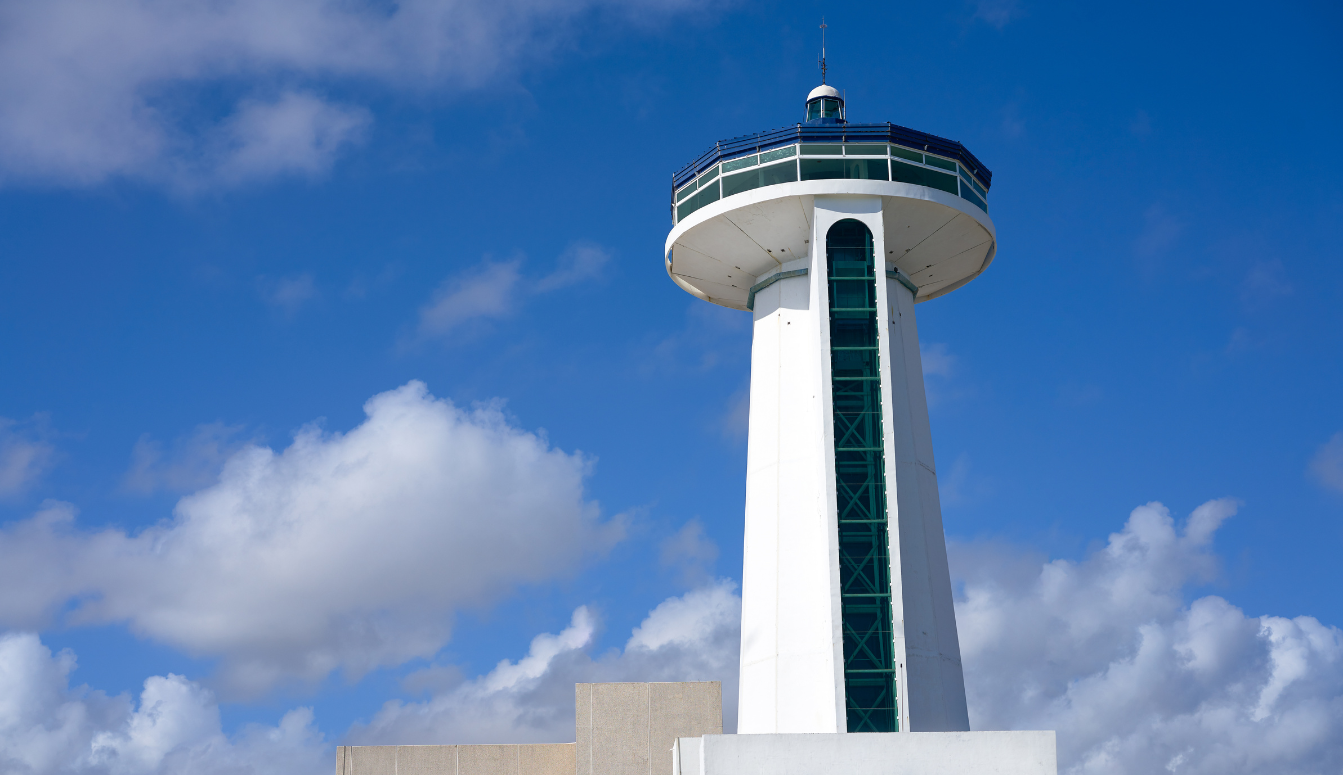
[{"x": 847, "y": 617}]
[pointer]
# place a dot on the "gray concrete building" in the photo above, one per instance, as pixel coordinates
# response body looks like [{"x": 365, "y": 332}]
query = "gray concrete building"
[{"x": 619, "y": 729}]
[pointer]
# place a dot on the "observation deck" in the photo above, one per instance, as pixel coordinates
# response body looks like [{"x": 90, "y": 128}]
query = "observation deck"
[{"x": 740, "y": 210}]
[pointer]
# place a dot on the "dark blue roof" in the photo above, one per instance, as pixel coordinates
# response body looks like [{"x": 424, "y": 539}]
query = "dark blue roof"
[{"x": 833, "y": 133}]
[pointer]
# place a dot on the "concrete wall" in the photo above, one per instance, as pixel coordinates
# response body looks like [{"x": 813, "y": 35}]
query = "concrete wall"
[
  {"x": 896, "y": 753},
  {"x": 621, "y": 729},
  {"x": 630, "y": 728},
  {"x": 533, "y": 759}
]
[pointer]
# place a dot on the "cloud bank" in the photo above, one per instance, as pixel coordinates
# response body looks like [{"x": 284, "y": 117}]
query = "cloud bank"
[
  {"x": 1107, "y": 652},
  {"x": 341, "y": 552},
  {"x": 47, "y": 726}
]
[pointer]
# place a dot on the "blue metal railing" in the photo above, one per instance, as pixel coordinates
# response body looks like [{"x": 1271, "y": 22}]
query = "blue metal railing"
[{"x": 832, "y": 133}]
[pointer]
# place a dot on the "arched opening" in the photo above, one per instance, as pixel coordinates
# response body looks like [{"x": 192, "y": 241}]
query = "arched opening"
[{"x": 860, "y": 481}]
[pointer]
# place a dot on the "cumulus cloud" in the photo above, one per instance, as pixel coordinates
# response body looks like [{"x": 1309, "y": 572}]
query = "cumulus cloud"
[
  {"x": 26, "y": 453},
  {"x": 1107, "y": 652},
  {"x": 689, "y": 638},
  {"x": 198, "y": 91},
  {"x": 46, "y": 726},
  {"x": 341, "y": 552},
  {"x": 1327, "y": 464}
]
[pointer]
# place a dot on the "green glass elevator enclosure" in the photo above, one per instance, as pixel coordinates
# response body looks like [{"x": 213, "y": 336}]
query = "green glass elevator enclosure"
[{"x": 860, "y": 481}]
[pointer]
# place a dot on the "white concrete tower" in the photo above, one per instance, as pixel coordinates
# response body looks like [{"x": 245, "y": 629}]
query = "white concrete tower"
[{"x": 829, "y": 233}]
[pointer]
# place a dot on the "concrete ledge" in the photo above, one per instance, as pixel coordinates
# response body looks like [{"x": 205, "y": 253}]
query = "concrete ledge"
[
  {"x": 527, "y": 759},
  {"x": 896, "y": 753}
]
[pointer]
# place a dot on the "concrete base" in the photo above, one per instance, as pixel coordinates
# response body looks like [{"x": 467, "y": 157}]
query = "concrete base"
[{"x": 895, "y": 753}]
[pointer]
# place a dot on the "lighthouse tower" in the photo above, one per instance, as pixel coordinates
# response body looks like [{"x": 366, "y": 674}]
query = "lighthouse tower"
[{"x": 829, "y": 233}]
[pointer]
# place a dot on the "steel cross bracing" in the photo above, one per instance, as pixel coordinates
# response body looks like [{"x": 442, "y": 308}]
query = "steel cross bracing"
[{"x": 860, "y": 482}]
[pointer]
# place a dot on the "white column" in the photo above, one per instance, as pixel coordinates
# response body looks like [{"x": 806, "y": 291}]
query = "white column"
[
  {"x": 787, "y": 649},
  {"x": 792, "y": 677}
]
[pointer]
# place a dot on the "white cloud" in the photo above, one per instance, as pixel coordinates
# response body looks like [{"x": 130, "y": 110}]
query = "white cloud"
[
  {"x": 494, "y": 290},
  {"x": 193, "y": 463},
  {"x": 1265, "y": 282},
  {"x": 297, "y": 133},
  {"x": 1160, "y": 233},
  {"x": 689, "y": 638},
  {"x": 489, "y": 291},
  {"x": 580, "y": 262},
  {"x": 690, "y": 552},
  {"x": 937, "y": 359},
  {"x": 938, "y": 366},
  {"x": 735, "y": 423},
  {"x": 1327, "y": 464},
  {"x": 997, "y": 13},
  {"x": 287, "y": 294},
  {"x": 1107, "y": 652},
  {"x": 48, "y": 727},
  {"x": 342, "y": 552},
  {"x": 25, "y": 454},
  {"x": 95, "y": 89}
]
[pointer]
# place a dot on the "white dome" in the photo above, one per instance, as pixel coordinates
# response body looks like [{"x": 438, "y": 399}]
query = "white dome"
[{"x": 824, "y": 90}]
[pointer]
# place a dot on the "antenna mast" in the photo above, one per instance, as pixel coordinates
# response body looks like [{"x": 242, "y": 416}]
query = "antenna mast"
[{"x": 823, "y": 49}]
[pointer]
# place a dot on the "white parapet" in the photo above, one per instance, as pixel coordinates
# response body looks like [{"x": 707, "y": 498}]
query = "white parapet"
[{"x": 910, "y": 753}]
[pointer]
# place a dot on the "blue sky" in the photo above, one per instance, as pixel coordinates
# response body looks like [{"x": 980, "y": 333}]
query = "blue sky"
[{"x": 226, "y": 223}]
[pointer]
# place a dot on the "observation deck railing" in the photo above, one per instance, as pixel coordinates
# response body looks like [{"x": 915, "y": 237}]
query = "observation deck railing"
[{"x": 854, "y": 151}]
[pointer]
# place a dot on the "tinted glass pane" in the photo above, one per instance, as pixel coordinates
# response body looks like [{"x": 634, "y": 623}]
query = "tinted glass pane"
[
  {"x": 865, "y": 150},
  {"x": 866, "y": 169},
  {"x": 830, "y": 108},
  {"x": 822, "y": 169},
  {"x": 970, "y": 196},
  {"x": 742, "y": 181},
  {"x": 782, "y": 153},
  {"x": 760, "y": 176},
  {"x": 690, "y": 189},
  {"x": 738, "y": 164},
  {"x": 921, "y": 176},
  {"x": 933, "y": 161},
  {"x": 822, "y": 150},
  {"x": 778, "y": 173},
  {"x": 813, "y": 110},
  {"x": 968, "y": 178},
  {"x": 905, "y": 153},
  {"x": 707, "y": 194},
  {"x": 708, "y": 176}
]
